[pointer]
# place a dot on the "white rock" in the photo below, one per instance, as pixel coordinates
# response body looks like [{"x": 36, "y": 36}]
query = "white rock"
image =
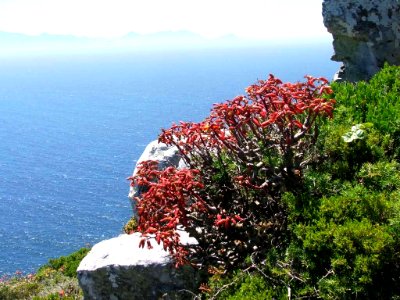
[
  {"x": 164, "y": 154},
  {"x": 118, "y": 269},
  {"x": 122, "y": 251}
]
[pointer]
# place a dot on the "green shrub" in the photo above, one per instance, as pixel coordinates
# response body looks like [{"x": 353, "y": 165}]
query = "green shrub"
[
  {"x": 55, "y": 280},
  {"x": 130, "y": 226},
  {"x": 344, "y": 226},
  {"x": 246, "y": 286},
  {"x": 67, "y": 265},
  {"x": 18, "y": 288}
]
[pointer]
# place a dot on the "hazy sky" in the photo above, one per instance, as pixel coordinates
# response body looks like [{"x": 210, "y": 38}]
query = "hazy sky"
[{"x": 261, "y": 19}]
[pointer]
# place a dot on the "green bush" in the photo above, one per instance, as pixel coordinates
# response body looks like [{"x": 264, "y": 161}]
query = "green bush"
[
  {"x": 344, "y": 227},
  {"x": 245, "y": 285},
  {"x": 67, "y": 265},
  {"x": 130, "y": 226},
  {"x": 55, "y": 280},
  {"x": 18, "y": 289}
]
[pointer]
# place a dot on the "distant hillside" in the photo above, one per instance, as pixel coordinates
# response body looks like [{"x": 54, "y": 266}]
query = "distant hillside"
[{"x": 15, "y": 43}]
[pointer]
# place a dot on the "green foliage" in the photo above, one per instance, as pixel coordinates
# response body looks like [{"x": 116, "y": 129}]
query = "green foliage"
[
  {"x": 67, "y": 265},
  {"x": 344, "y": 224},
  {"x": 375, "y": 102},
  {"x": 131, "y": 225},
  {"x": 53, "y": 286},
  {"x": 252, "y": 288},
  {"x": 18, "y": 289},
  {"x": 55, "y": 280},
  {"x": 245, "y": 286},
  {"x": 381, "y": 176},
  {"x": 356, "y": 203}
]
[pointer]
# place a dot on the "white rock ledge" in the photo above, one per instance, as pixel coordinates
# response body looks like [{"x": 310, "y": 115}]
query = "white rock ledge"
[
  {"x": 122, "y": 251},
  {"x": 118, "y": 269}
]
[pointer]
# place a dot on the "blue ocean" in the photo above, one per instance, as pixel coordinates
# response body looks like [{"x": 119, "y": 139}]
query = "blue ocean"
[{"x": 72, "y": 128}]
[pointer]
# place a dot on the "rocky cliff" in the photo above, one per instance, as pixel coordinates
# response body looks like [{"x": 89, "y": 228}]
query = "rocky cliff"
[{"x": 366, "y": 34}]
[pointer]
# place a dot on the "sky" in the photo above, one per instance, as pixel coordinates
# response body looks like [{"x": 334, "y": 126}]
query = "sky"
[{"x": 250, "y": 19}]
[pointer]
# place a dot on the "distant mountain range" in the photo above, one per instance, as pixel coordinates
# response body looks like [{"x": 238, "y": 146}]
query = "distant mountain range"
[{"x": 15, "y": 43}]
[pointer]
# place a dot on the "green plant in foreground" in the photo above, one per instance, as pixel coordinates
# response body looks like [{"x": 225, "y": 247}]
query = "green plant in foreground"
[
  {"x": 344, "y": 227},
  {"x": 55, "y": 280},
  {"x": 67, "y": 265}
]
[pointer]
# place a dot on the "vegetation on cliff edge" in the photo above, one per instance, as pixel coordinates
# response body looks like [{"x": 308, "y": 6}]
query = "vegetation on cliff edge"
[
  {"x": 55, "y": 280},
  {"x": 285, "y": 202}
]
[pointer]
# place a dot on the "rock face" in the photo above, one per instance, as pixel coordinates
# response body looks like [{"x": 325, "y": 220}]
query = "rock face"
[
  {"x": 366, "y": 34},
  {"x": 118, "y": 269},
  {"x": 164, "y": 154}
]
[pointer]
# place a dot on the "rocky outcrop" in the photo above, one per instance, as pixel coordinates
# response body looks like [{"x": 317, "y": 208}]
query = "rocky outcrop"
[
  {"x": 366, "y": 34},
  {"x": 118, "y": 269},
  {"x": 164, "y": 154}
]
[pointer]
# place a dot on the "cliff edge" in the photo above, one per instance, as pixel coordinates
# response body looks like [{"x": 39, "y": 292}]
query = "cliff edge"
[{"x": 366, "y": 34}]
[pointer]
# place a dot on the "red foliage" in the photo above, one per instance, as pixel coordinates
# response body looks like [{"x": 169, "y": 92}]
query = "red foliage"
[
  {"x": 170, "y": 198},
  {"x": 274, "y": 116},
  {"x": 293, "y": 108}
]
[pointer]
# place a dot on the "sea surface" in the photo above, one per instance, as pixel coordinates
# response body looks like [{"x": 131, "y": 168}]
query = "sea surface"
[{"x": 72, "y": 128}]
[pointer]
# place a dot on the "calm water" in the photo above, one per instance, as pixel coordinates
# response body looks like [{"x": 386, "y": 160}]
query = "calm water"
[{"x": 71, "y": 129}]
